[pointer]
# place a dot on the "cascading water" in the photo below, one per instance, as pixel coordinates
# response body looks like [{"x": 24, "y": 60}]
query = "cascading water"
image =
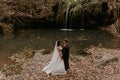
[
  {"x": 68, "y": 18},
  {"x": 68, "y": 14}
]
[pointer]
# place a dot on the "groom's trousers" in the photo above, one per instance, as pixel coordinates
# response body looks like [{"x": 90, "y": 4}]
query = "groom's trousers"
[{"x": 66, "y": 63}]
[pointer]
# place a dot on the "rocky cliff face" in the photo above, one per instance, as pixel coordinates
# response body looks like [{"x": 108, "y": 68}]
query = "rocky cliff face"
[
  {"x": 21, "y": 14},
  {"x": 26, "y": 13}
]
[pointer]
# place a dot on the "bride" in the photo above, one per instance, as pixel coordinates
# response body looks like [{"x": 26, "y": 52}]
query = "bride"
[{"x": 56, "y": 65}]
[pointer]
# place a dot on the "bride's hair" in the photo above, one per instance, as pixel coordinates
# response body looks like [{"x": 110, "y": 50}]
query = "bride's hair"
[{"x": 58, "y": 43}]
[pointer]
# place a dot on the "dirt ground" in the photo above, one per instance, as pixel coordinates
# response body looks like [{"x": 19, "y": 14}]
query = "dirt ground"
[{"x": 81, "y": 67}]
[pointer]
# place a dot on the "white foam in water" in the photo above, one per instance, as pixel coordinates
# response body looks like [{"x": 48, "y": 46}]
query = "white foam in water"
[
  {"x": 81, "y": 29},
  {"x": 66, "y": 29}
]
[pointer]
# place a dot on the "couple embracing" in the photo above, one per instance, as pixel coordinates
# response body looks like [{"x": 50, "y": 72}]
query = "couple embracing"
[{"x": 59, "y": 63}]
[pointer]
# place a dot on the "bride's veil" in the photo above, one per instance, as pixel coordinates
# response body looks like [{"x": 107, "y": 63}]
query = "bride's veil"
[
  {"x": 55, "y": 55},
  {"x": 55, "y": 48}
]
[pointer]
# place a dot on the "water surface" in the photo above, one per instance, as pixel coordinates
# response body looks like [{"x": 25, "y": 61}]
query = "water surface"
[{"x": 45, "y": 38}]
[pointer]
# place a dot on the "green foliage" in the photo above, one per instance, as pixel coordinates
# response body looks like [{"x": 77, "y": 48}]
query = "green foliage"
[
  {"x": 77, "y": 9},
  {"x": 80, "y": 6},
  {"x": 94, "y": 6}
]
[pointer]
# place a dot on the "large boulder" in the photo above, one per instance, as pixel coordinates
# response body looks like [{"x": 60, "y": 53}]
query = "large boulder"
[{"x": 106, "y": 58}]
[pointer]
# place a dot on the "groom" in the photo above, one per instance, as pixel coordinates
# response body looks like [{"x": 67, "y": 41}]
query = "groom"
[{"x": 65, "y": 53}]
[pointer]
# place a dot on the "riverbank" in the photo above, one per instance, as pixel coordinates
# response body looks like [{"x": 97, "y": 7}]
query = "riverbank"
[{"x": 81, "y": 67}]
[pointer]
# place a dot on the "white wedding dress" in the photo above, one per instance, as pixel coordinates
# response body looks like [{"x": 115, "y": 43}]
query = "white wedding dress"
[{"x": 56, "y": 65}]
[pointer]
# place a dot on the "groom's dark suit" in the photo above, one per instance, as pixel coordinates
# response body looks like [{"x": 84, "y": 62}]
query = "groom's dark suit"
[{"x": 65, "y": 53}]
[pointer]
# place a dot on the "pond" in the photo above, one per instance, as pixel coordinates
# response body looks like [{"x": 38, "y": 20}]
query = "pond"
[{"x": 45, "y": 38}]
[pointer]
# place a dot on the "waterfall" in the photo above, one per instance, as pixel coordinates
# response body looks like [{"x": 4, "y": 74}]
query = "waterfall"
[
  {"x": 67, "y": 15},
  {"x": 67, "y": 19},
  {"x": 70, "y": 18},
  {"x": 68, "y": 25}
]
